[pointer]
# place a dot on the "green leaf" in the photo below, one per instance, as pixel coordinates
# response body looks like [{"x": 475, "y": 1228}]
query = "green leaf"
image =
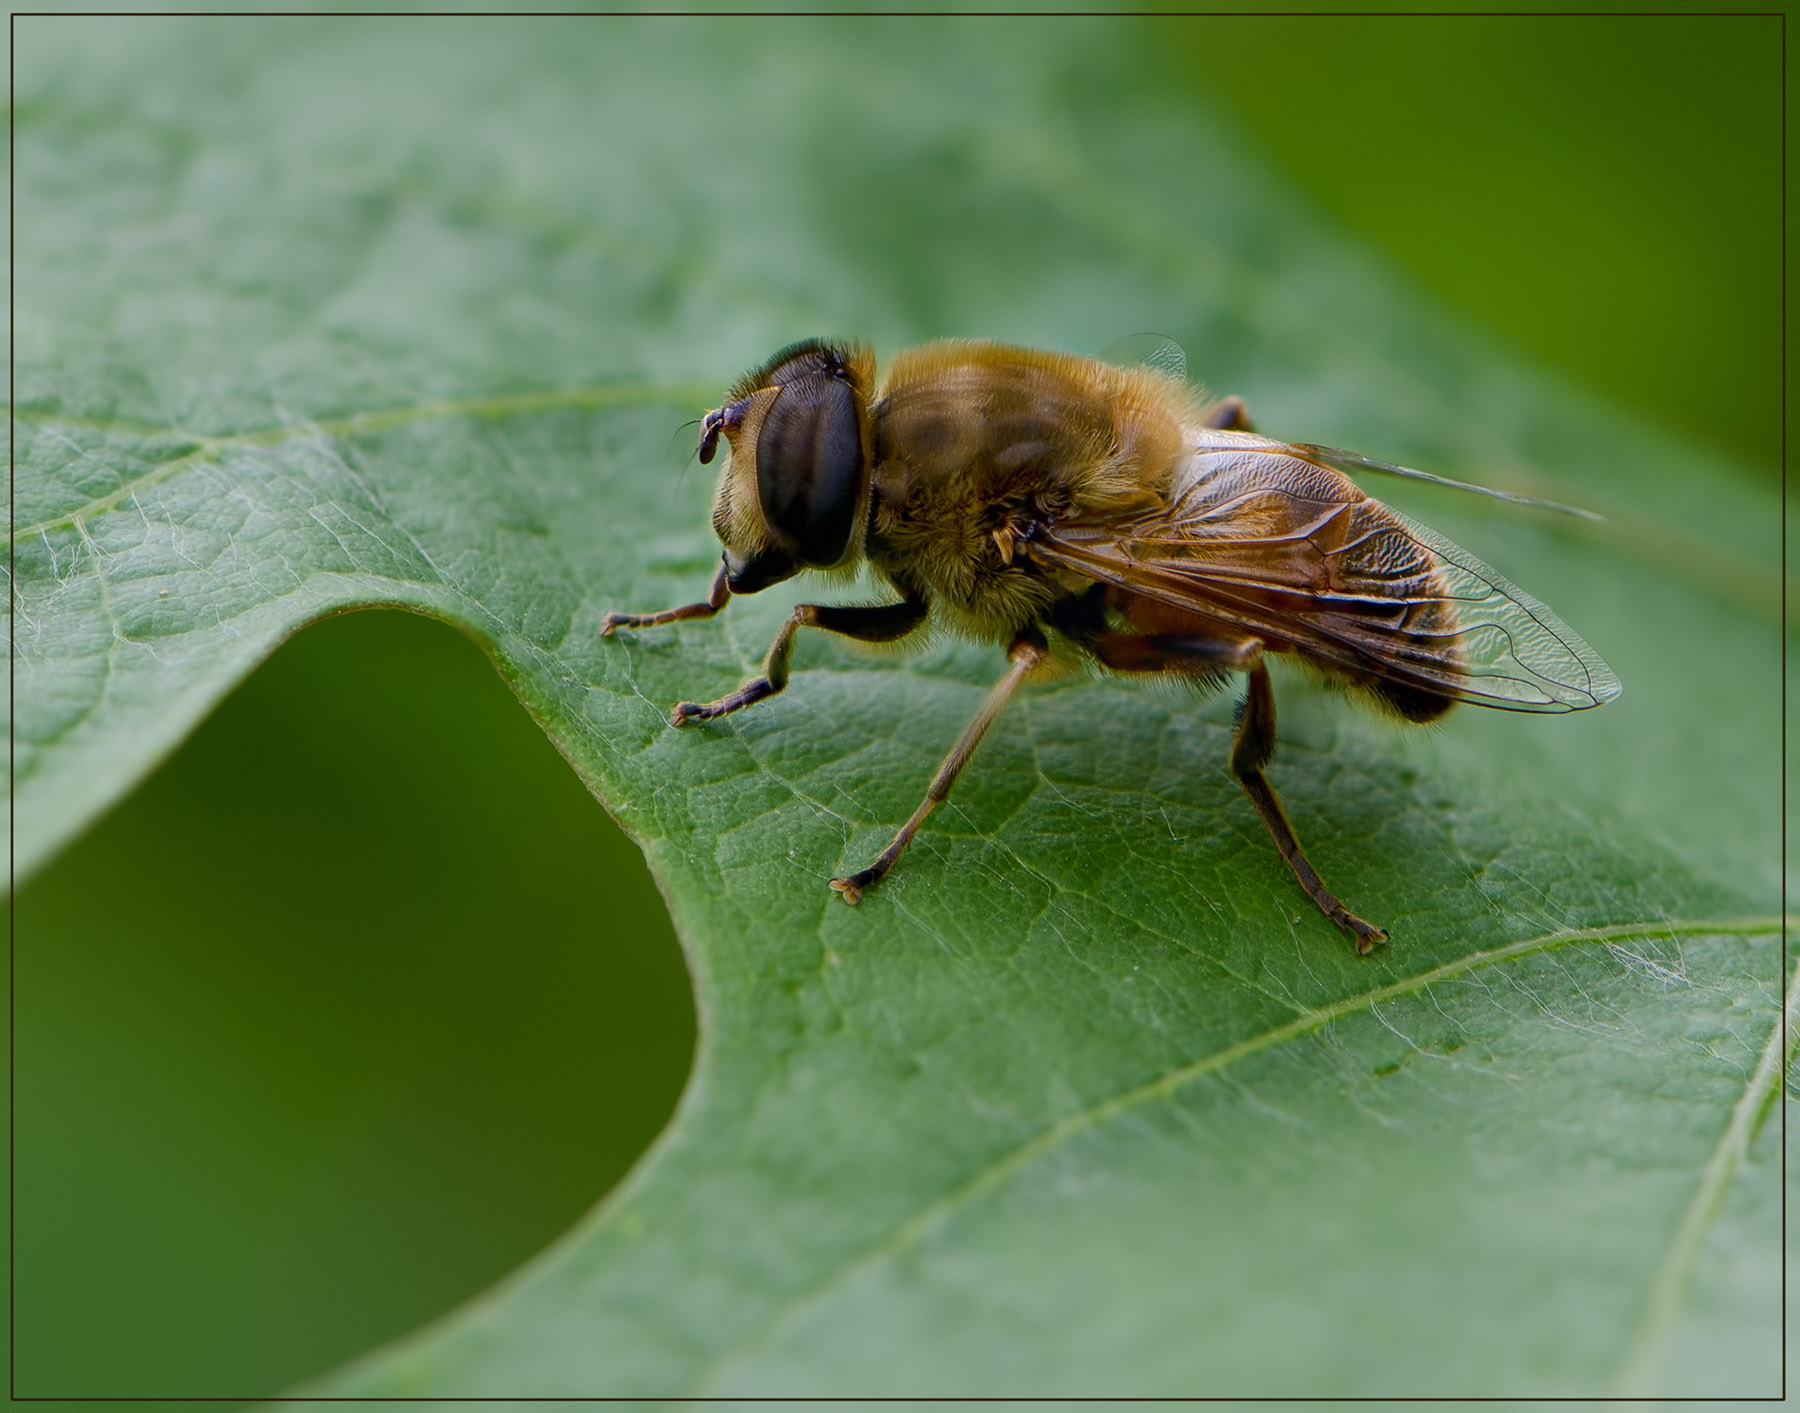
[{"x": 314, "y": 315}]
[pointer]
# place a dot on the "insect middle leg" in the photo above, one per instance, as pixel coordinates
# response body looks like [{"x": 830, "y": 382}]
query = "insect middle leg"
[
  {"x": 875, "y": 623},
  {"x": 1251, "y": 747},
  {"x": 1028, "y": 650}
]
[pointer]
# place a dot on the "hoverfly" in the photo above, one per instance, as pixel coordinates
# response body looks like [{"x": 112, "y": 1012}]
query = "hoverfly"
[{"x": 1065, "y": 506}]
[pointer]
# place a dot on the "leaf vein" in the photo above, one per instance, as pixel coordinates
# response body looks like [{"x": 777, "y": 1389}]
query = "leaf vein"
[
  {"x": 914, "y": 1228},
  {"x": 1643, "y": 1357}
]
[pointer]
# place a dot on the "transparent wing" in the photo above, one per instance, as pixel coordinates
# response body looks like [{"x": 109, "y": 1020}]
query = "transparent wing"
[
  {"x": 1162, "y": 353},
  {"x": 1258, "y": 536},
  {"x": 1157, "y": 351},
  {"x": 1349, "y": 461}
]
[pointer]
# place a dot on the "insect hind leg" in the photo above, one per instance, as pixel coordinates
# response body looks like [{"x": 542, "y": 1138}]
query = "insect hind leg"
[
  {"x": 1251, "y": 749},
  {"x": 1084, "y": 619},
  {"x": 1229, "y": 414},
  {"x": 1168, "y": 652},
  {"x": 1208, "y": 659}
]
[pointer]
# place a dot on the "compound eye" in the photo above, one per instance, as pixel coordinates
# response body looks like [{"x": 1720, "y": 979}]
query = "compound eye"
[{"x": 809, "y": 467}]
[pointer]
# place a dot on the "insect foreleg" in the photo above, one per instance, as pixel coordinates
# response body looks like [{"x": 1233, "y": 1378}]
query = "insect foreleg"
[
  {"x": 715, "y": 600},
  {"x": 876, "y": 623},
  {"x": 1027, "y": 651},
  {"x": 1250, "y": 752}
]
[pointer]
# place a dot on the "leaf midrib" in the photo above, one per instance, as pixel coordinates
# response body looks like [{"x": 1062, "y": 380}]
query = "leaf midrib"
[{"x": 489, "y": 408}]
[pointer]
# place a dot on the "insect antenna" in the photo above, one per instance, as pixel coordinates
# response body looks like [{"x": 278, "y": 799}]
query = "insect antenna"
[
  {"x": 691, "y": 422},
  {"x": 681, "y": 475}
]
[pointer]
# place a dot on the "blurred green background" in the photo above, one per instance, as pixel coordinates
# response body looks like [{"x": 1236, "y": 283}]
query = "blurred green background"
[{"x": 433, "y": 1008}]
